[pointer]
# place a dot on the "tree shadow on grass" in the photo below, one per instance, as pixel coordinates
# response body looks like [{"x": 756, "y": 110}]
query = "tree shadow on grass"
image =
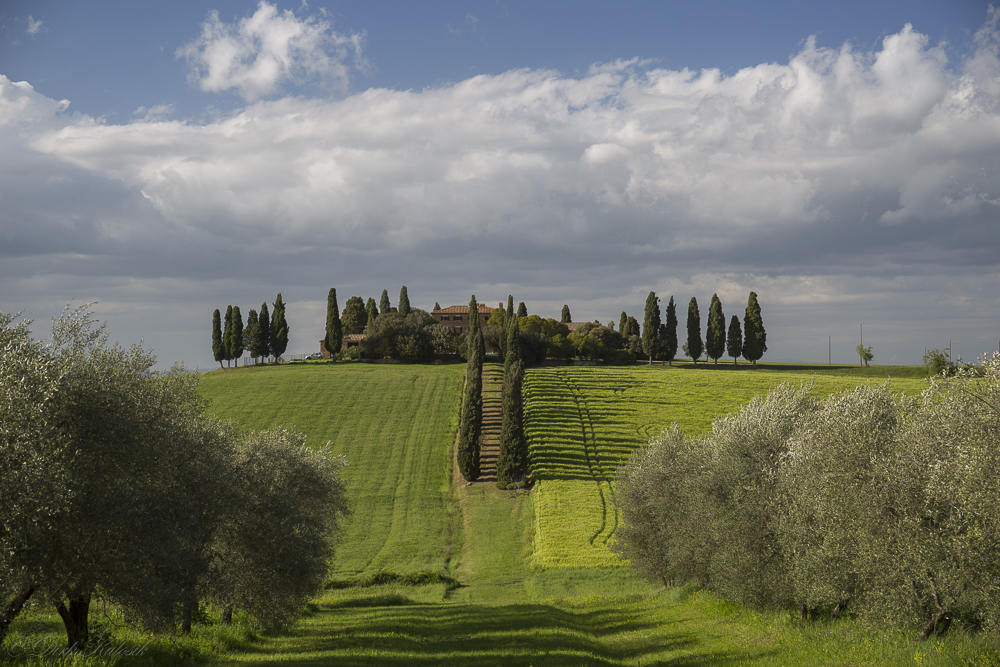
[{"x": 402, "y": 633}]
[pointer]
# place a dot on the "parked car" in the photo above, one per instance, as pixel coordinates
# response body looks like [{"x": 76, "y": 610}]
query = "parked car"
[{"x": 315, "y": 355}]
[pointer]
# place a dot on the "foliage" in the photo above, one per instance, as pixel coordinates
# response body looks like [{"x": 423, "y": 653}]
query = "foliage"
[
  {"x": 251, "y": 335},
  {"x": 442, "y": 339},
  {"x": 715, "y": 335},
  {"x": 470, "y": 422},
  {"x": 938, "y": 362},
  {"x": 734, "y": 339},
  {"x": 565, "y": 317},
  {"x": 512, "y": 461},
  {"x": 276, "y": 537},
  {"x": 264, "y": 335},
  {"x": 384, "y": 307},
  {"x": 354, "y": 319},
  {"x": 137, "y": 488},
  {"x": 594, "y": 341},
  {"x": 393, "y": 336},
  {"x": 695, "y": 345},
  {"x": 864, "y": 353},
  {"x": 236, "y": 349},
  {"x": 371, "y": 311},
  {"x": 651, "y": 326},
  {"x": 404, "y": 302},
  {"x": 227, "y": 336},
  {"x": 522, "y": 310},
  {"x": 334, "y": 330},
  {"x": 754, "y": 336},
  {"x": 883, "y": 503},
  {"x": 668, "y": 333},
  {"x": 218, "y": 349},
  {"x": 279, "y": 328}
]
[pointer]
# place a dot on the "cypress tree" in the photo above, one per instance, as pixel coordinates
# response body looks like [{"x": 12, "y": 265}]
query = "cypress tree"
[
  {"x": 522, "y": 310},
  {"x": 512, "y": 461},
  {"x": 218, "y": 348},
  {"x": 371, "y": 309},
  {"x": 437, "y": 306},
  {"x": 669, "y": 342},
  {"x": 754, "y": 336},
  {"x": 622, "y": 324},
  {"x": 474, "y": 327},
  {"x": 633, "y": 327},
  {"x": 694, "y": 341},
  {"x": 470, "y": 424},
  {"x": 227, "y": 336},
  {"x": 508, "y": 315},
  {"x": 566, "y": 317},
  {"x": 251, "y": 335},
  {"x": 384, "y": 307},
  {"x": 237, "y": 349},
  {"x": 715, "y": 335},
  {"x": 404, "y": 302},
  {"x": 264, "y": 321},
  {"x": 513, "y": 336},
  {"x": 279, "y": 328},
  {"x": 734, "y": 340},
  {"x": 334, "y": 332},
  {"x": 651, "y": 326}
]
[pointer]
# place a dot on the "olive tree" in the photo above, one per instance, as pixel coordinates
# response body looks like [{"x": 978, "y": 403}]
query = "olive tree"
[
  {"x": 662, "y": 497},
  {"x": 836, "y": 509}
]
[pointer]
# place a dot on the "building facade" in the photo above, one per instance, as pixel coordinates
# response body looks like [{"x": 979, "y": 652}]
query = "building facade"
[{"x": 456, "y": 318}]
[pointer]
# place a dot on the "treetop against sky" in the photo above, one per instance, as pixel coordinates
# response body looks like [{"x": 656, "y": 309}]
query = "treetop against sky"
[{"x": 839, "y": 161}]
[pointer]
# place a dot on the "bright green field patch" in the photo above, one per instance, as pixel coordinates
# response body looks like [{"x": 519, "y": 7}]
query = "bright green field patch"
[
  {"x": 582, "y": 423},
  {"x": 395, "y": 424}
]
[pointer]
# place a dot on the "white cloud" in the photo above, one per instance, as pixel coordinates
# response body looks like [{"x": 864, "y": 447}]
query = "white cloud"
[
  {"x": 257, "y": 54},
  {"x": 838, "y": 179},
  {"x": 34, "y": 27}
]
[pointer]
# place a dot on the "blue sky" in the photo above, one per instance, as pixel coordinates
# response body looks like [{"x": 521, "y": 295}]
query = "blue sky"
[{"x": 166, "y": 159}]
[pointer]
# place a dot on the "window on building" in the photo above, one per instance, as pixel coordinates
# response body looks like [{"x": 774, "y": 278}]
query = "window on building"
[
  {"x": 458, "y": 330},
  {"x": 458, "y": 317},
  {"x": 444, "y": 318}
]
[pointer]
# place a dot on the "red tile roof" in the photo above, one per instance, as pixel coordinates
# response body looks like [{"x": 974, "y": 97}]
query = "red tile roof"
[{"x": 483, "y": 310}]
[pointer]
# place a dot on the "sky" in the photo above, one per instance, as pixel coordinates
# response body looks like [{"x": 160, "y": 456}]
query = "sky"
[{"x": 842, "y": 161}]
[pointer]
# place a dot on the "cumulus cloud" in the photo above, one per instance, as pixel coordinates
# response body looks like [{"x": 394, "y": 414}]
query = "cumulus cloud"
[
  {"x": 257, "y": 54},
  {"x": 841, "y": 177}
]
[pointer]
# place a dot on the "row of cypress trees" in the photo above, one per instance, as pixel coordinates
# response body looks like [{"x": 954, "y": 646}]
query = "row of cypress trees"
[
  {"x": 471, "y": 422},
  {"x": 512, "y": 460},
  {"x": 660, "y": 339},
  {"x": 264, "y": 335}
]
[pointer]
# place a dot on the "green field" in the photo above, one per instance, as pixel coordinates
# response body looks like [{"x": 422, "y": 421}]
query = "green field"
[
  {"x": 395, "y": 425},
  {"x": 583, "y": 422},
  {"x": 532, "y": 586}
]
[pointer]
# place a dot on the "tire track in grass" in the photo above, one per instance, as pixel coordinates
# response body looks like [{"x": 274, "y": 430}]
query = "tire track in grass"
[{"x": 593, "y": 463}]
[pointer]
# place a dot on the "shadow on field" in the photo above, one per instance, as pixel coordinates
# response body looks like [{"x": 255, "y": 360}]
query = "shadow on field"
[{"x": 476, "y": 635}]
